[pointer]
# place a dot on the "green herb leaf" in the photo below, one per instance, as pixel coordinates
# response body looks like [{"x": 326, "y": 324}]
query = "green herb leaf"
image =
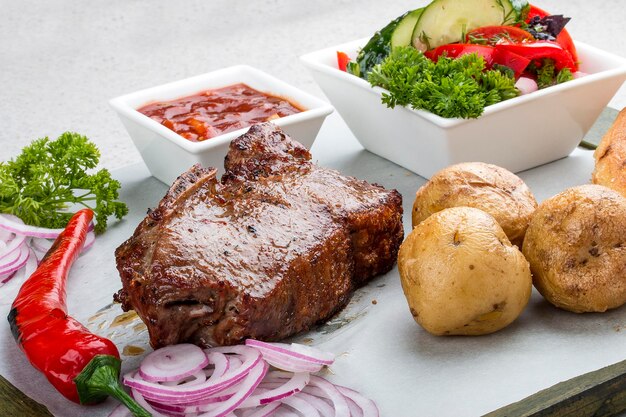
[
  {"x": 449, "y": 87},
  {"x": 49, "y": 176},
  {"x": 546, "y": 73}
]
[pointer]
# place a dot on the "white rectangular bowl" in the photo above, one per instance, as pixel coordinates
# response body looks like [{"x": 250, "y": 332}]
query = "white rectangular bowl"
[
  {"x": 516, "y": 134},
  {"x": 168, "y": 154}
]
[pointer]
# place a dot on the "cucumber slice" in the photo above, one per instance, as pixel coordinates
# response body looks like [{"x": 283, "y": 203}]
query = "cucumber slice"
[
  {"x": 447, "y": 21},
  {"x": 377, "y": 48},
  {"x": 403, "y": 34}
]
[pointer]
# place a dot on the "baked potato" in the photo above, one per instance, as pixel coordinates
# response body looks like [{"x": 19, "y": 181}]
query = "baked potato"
[
  {"x": 484, "y": 186},
  {"x": 461, "y": 275},
  {"x": 610, "y": 157},
  {"x": 576, "y": 246}
]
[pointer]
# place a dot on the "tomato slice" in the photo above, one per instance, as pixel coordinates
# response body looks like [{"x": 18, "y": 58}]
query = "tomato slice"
[
  {"x": 564, "y": 39},
  {"x": 342, "y": 60},
  {"x": 542, "y": 49},
  {"x": 455, "y": 50},
  {"x": 494, "y": 34}
]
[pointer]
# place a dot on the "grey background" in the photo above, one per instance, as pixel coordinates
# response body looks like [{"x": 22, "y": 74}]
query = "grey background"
[{"x": 62, "y": 60}]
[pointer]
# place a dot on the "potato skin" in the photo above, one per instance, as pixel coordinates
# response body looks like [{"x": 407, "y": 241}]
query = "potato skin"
[
  {"x": 484, "y": 186},
  {"x": 610, "y": 157},
  {"x": 461, "y": 275},
  {"x": 576, "y": 246}
]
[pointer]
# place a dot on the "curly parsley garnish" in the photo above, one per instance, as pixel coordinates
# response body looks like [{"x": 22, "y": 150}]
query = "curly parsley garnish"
[
  {"x": 449, "y": 87},
  {"x": 49, "y": 176}
]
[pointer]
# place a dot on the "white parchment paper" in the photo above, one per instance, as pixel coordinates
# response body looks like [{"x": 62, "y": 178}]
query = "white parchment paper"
[{"x": 382, "y": 351}]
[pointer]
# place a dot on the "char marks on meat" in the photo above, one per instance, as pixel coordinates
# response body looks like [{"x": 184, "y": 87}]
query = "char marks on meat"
[{"x": 275, "y": 247}]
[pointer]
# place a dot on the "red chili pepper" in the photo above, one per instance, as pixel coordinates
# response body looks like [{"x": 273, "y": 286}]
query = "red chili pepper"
[
  {"x": 342, "y": 60},
  {"x": 82, "y": 366},
  {"x": 542, "y": 49}
]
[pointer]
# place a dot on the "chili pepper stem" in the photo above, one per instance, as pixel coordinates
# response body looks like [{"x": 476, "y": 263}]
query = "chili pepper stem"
[{"x": 99, "y": 379}]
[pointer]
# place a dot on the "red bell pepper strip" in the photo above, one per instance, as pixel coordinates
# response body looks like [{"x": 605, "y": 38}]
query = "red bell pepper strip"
[
  {"x": 511, "y": 60},
  {"x": 563, "y": 38},
  {"x": 455, "y": 50},
  {"x": 491, "y": 55},
  {"x": 82, "y": 366},
  {"x": 542, "y": 49},
  {"x": 493, "y": 34},
  {"x": 342, "y": 60}
]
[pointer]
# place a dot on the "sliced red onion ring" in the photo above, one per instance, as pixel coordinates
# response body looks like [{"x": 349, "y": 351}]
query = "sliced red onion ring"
[
  {"x": 264, "y": 411},
  {"x": 142, "y": 402},
  {"x": 294, "y": 385},
  {"x": 161, "y": 393},
  {"x": 247, "y": 387},
  {"x": 173, "y": 363},
  {"x": 296, "y": 350},
  {"x": 284, "y": 412},
  {"x": 365, "y": 404},
  {"x": 6, "y": 278},
  {"x": 89, "y": 241},
  {"x": 322, "y": 406},
  {"x": 15, "y": 225},
  {"x": 302, "y": 406},
  {"x": 235, "y": 383},
  {"x": 290, "y": 364},
  {"x": 41, "y": 245},
  {"x": 24, "y": 254},
  {"x": 327, "y": 390},
  {"x": 13, "y": 245},
  {"x": 12, "y": 258},
  {"x": 294, "y": 357},
  {"x": 196, "y": 378}
]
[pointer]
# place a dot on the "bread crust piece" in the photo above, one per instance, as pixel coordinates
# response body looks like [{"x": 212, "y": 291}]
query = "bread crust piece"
[
  {"x": 275, "y": 247},
  {"x": 610, "y": 157}
]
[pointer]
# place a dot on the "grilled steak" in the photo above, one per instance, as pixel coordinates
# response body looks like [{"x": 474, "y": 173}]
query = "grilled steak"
[{"x": 274, "y": 247}]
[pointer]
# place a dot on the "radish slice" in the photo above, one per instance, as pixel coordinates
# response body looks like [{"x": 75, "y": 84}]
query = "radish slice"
[
  {"x": 526, "y": 85},
  {"x": 173, "y": 363}
]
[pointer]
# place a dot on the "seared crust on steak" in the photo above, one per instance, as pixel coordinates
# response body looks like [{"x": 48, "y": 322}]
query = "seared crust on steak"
[{"x": 275, "y": 247}]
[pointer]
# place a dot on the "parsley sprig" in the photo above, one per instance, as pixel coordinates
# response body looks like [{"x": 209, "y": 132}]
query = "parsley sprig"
[
  {"x": 50, "y": 176},
  {"x": 450, "y": 88}
]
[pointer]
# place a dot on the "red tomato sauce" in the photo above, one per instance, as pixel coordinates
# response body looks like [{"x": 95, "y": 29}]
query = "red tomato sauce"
[{"x": 210, "y": 113}]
